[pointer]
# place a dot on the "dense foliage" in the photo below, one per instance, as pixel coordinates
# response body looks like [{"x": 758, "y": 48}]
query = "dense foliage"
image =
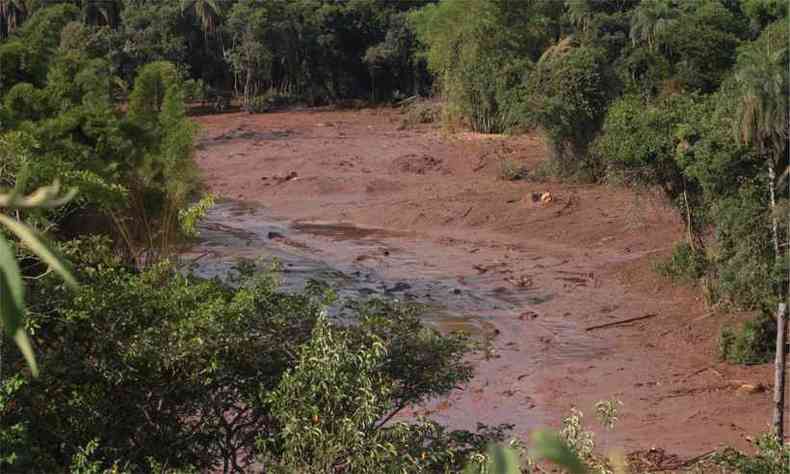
[
  {"x": 687, "y": 96},
  {"x": 187, "y": 373}
]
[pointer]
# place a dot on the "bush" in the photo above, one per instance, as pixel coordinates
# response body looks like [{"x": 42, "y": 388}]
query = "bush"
[
  {"x": 686, "y": 264},
  {"x": 198, "y": 374},
  {"x": 753, "y": 343},
  {"x": 570, "y": 90},
  {"x": 420, "y": 112},
  {"x": 512, "y": 170},
  {"x": 772, "y": 457}
]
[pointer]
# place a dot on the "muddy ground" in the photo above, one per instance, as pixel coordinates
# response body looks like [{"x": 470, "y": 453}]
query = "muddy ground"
[{"x": 584, "y": 258}]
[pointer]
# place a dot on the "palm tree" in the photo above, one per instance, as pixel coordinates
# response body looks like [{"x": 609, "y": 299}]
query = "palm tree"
[
  {"x": 650, "y": 20},
  {"x": 206, "y": 11},
  {"x": 580, "y": 13},
  {"x": 100, "y": 12},
  {"x": 763, "y": 121}
]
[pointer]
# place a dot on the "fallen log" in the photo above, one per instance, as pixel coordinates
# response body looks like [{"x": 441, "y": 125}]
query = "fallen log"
[{"x": 622, "y": 321}]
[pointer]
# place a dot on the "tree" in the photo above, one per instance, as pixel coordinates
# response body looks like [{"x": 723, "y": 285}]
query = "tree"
[
  {"x": 206, "y": 11},
  {"x": 12, "y": 13},
  {"x": 763, "y": 121},
  {"x": 650, "y": 20}
]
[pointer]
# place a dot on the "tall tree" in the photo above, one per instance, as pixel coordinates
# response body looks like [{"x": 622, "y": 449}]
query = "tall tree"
[
  {"x": 650, "y": 20},
  {"x": 206, "y": 11},
  {"x": 763, "y": 121}
]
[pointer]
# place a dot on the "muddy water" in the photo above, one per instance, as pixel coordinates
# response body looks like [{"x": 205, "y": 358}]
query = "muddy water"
[
  {"x": 458, "y": 294},
  {"x": 357, "y": 262}
]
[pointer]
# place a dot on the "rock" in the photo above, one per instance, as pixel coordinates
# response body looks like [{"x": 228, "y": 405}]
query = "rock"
[
  {"x": 275, "y": 235},
  {"x": 546, "y": 197}
]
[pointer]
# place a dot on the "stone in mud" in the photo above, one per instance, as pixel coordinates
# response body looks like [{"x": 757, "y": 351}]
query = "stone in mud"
[{"x": 275, "y": 235}]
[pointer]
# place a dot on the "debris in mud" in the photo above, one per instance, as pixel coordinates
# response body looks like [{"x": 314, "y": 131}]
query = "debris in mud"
[
  {"x": 526, "y": 315},
  {"x": 242, "y": 133},
  {"x": 749, "y": 388},
  {"x": 419, "y": 164},
  {"x": 281, "y": 179},
  {"x": 520, "y": 282},
  {"x": 654, "y": 459},
  {"x": 398, "y": 287},
  {"x": 275, "y": 235},
  {"x": 543, "y": 198}
]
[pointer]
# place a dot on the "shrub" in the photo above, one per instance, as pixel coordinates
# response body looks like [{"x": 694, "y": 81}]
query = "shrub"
[
  {"x": 753, "y": 343},
  {"x": 512, "y": 170},
  {"x": 420, "y": 112},
  {"x": 686, "y": 263},
  {"x": 772, "y": 457},
  {"x": 188, "y": 373},
  {"x": 570, "y": 90}
]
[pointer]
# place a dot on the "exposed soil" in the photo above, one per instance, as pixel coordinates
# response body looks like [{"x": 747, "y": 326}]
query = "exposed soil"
[{"x": 584, "y": 257}]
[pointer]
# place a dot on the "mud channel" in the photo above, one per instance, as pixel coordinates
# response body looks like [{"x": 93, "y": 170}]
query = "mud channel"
[{"x": 377, "y": 210}]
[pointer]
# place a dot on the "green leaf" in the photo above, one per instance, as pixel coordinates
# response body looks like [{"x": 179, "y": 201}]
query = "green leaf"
[
  {"x": 23, "y": 342},
  {"x": 551, "y": 447},
  {"x": 11, "y": 291},
  {"x": 503, "y": 460},
  {"x": 38, "y": 246},
  {"x": 12, "y": 303}
]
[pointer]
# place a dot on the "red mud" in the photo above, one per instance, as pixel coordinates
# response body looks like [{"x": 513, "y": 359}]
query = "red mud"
[{"x": 592, "y": 248}]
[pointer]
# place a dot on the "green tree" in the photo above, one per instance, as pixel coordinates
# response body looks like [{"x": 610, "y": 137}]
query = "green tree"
[
  {"x": 763, "y": 85},
  {"x": 650, "y": 20}
]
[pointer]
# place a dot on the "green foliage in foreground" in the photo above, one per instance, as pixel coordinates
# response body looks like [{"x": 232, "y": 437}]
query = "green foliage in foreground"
[
  {"x": 175, "y": 371},
  {"x": 12, "y": 291}
]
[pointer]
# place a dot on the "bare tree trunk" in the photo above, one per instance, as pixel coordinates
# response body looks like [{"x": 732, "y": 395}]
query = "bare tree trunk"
[
  {"x": 779, "y": 373},
  {"x": 689, "y": 227},
  {"x": 779, "y": 363},
  {"x": 774, "y": 222}
]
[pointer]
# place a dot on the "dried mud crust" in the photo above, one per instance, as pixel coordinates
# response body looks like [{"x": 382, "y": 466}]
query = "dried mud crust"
[{"x": 586, "y": 255}]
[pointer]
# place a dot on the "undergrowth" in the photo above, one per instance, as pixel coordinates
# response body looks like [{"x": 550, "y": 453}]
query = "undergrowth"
[
  {"x": 512, "y": 170},
  {"x": 686, "y": 264},
  {"x": 751, "y": 343}
]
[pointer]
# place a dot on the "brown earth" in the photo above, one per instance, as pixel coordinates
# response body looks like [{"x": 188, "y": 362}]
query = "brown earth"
[{"x": 591, "y": 250}]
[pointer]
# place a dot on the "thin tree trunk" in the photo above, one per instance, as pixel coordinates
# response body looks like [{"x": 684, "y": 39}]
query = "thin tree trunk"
[
  {"x": 779, "y": 373},
  {"x": 779, "y": 363},
  {"x": 692, "y": 242},
  {"x": 774, "y": 222}
]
